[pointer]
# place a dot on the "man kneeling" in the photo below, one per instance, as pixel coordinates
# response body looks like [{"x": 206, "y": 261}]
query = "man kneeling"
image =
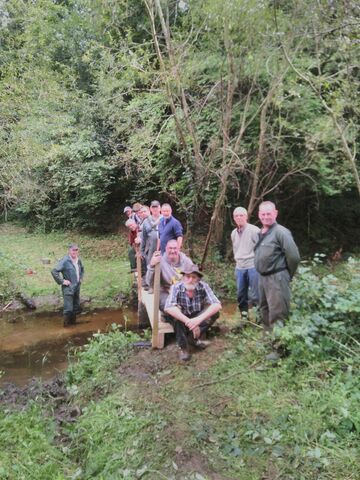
[{"x": 191, "y": 308}]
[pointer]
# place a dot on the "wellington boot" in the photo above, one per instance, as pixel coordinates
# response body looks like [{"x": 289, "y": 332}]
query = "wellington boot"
[
  {"x": 67, "y": 320},
  {"x": 73, "y": 319}
]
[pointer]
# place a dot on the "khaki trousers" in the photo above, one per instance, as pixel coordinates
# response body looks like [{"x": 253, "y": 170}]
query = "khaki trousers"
[{"x": 274, "y": 298}]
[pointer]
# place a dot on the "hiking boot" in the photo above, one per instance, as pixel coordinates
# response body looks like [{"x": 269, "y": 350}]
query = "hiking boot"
[
  {"x": 196, "y": 342},
  {"x": 67, "y": 320},
  {"x": 200, "y": 345},
  {"x": 184, "y": 355}
]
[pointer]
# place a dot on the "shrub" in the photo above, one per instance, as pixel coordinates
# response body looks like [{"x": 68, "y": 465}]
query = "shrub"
[{"x": 325, "y": 317}]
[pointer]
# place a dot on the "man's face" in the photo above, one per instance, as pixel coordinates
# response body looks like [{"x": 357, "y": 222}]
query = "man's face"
[
  {"x": 133, "y": 226},
  {"x": 155, "y": 211},
  {"x": 73, "y": 252},
  {"x": 190, "y": 281},
  {"x": 172, "y": 251},
  {"x": 141, "y": 214},
  {"x": 166, "y": 212},
  {"x": 240, "y": 219},
  {"x": 267, "y": 215}
]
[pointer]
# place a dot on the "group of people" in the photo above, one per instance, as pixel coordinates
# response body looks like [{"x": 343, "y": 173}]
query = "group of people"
[
  {"x": 186, "y": 301},
  {"x": 266, "y": 260}
]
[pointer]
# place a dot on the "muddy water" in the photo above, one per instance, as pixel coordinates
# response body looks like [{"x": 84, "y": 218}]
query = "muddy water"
[{"x": 37, "y": 345}]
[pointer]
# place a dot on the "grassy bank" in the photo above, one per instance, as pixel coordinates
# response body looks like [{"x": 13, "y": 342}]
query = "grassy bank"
[
  {"x": 226, "y": 415},
  {"x": 22, "y": 268}
]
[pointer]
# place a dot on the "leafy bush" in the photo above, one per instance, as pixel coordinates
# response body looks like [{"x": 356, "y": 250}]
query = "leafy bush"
[{"x": 325, "y": 316}]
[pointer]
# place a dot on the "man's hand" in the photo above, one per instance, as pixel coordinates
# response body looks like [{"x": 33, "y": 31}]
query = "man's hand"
[
  {"x": 137, "y": 240},
  {"x": 193, "y": 324},
  {"x": 66, "y": 283},
  {"x": 155, "y": 259},
  {"x": 196, "y": 331}
]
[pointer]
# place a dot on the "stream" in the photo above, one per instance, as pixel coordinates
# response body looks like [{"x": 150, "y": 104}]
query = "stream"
[{"x": 37, "y": 344}]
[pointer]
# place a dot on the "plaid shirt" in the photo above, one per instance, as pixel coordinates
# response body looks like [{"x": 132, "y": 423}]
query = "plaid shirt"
[{"x": 203, "y": 296}]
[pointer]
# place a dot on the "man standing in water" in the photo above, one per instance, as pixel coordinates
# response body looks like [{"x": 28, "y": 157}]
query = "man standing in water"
[
  {"x": 276, "y": 260},
  {"x": 69, "y": 273}
]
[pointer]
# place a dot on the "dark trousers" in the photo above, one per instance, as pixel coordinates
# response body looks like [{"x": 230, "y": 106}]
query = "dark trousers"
[
  {"x": 72, "y": 302},
  {"x": 182, "y": 333},
  {"x": 132, "y": 260}
]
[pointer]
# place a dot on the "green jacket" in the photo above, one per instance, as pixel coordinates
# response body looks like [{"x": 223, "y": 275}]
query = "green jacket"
[
  {"x": 65, "y": 270},
  {"x": 276, "y": 251}
]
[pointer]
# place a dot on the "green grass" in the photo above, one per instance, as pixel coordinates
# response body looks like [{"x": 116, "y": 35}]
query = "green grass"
[
  {"x": 228, "y": 412},
  {"x": 104, "y": 258}
]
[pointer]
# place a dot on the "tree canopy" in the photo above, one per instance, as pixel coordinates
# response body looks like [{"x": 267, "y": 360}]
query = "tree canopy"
[{"x": 205, "y": 104}]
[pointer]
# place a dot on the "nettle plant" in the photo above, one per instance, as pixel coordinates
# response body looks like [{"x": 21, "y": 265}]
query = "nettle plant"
[{"x": 325, "y": 315}]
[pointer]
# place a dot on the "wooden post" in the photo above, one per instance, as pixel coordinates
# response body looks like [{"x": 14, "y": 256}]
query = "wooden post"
[
  {"x": 155, "y": 330},
  {"x": 138, "y": 269}
]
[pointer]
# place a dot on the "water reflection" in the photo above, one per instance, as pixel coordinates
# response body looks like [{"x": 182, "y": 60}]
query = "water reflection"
[{"x": 36, "y": 345}]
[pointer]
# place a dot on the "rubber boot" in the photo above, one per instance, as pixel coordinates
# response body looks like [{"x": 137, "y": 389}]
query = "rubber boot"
[
  {"x": 67, "y": 320},
  {"x": 73, "y": 319}
]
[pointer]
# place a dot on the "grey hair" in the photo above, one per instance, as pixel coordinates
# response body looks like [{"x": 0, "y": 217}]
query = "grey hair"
[
  {"x": 129, "y": 222},
  {"x": 240, "y": 210}
]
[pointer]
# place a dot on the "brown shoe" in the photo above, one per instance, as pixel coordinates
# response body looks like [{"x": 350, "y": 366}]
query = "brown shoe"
[{"x": 184, "y": 355}]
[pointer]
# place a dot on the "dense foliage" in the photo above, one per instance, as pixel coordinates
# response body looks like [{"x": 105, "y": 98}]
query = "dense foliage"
[
  {"x": 324, "y": 322},
  {"x": 202, "y": 103}
]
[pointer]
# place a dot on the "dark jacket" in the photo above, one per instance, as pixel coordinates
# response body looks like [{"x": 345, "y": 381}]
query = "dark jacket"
[
  {"x": 276, "y": 251},
  {"x": 65, "y": 270}
]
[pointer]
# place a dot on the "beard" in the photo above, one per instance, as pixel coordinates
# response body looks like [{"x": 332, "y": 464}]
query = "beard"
[{"x": 190, "y": 288}]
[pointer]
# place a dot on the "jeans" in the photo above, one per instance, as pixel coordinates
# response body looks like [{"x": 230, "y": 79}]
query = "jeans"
[{"x": 247, "y": 283}]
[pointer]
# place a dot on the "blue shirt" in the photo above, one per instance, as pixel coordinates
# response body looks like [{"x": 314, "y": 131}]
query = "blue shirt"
[{"x": 169, "y": 229}]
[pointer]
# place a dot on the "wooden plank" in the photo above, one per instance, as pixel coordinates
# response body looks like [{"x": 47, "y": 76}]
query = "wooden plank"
[
  {"x": 148, "y": 301},
  {"x": 155, "y": 325},
  {"x": 151, "y": 301}
]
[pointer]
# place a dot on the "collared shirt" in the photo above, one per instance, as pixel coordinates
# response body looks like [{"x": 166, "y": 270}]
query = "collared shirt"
[
  {"x": 169, "y": 229},
  {"x": 76, "y": 265},
  {"x": 203, "y": 296}
]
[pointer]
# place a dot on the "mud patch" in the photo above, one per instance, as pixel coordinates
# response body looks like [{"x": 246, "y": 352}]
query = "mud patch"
[{"x": 15, "y": 397}]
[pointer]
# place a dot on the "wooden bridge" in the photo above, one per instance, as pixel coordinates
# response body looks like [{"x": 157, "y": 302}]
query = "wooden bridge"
[{"x": 149, "y": 303}]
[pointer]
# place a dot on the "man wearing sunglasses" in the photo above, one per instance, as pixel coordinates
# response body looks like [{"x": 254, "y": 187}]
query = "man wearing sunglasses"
[{"x": 69, "y": 273}]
